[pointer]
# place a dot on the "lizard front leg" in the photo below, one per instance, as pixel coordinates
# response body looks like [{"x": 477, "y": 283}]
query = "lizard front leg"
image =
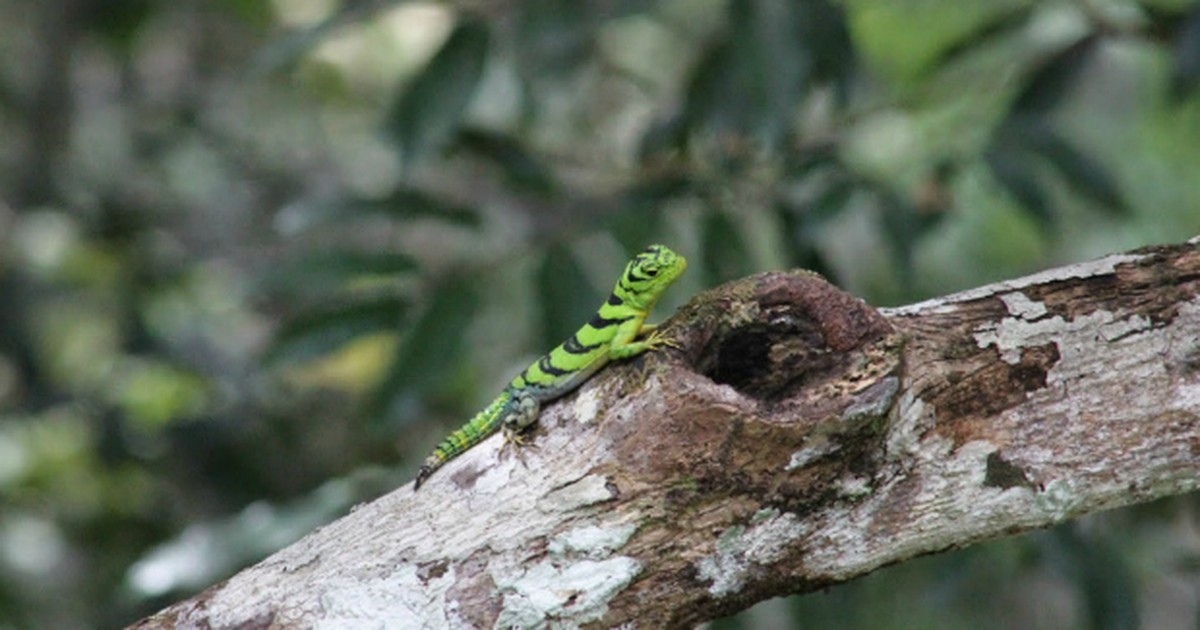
[{"x": 635, "y": 337}]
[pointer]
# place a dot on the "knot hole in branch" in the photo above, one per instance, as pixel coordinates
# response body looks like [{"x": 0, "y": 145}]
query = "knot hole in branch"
[{"x": 772, "y": 334}]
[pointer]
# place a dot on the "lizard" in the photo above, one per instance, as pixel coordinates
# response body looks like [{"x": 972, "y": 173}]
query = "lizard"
[{"x": 618, "y": 330}]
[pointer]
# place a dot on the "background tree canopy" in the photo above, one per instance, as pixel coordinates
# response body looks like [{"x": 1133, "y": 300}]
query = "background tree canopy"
[{"x": 258, "y": 256}]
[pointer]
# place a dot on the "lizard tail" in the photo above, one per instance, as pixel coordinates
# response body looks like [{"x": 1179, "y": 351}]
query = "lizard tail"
[
  {"x": 484, "y": 423},
  {"x": 431, "y": 463}
]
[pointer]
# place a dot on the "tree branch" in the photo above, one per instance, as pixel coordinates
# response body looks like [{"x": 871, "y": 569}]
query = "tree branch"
[{"x": 798, "y": 439}]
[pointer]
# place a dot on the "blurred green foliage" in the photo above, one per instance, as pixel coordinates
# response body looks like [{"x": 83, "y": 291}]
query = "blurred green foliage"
[{"x": 256, "y": 256}]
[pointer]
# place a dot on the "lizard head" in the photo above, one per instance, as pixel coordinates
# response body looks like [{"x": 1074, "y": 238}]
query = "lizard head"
[{"x": 649, "y": 274}]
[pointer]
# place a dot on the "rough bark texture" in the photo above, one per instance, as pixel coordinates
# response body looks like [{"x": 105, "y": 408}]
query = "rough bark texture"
[{"x": 797, "y": 439}]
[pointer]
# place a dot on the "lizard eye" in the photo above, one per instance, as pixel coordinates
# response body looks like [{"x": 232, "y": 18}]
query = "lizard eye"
[{"x": 652, "y": 272}]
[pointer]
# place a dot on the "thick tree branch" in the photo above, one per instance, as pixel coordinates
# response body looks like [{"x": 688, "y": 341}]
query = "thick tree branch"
[{"x": 799, "y": 438}]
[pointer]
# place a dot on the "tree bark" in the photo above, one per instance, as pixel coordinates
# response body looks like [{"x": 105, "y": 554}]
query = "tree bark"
[{"x": 796, "y": 439}]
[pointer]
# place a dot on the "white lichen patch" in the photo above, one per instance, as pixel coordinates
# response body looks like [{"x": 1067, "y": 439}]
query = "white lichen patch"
[
  {"x": 347, "y": 602},
  {"x": 1187, "y": 395},
  {"x": 815, "y": 447},
  {"x": 583, "y": 492},
  {"x": 588, "y": 404},
  {"x": 948, "y": 304},
  {"x": 548, "y": 590},
  {"x": 1059, "y": 500},
  {"x": 496, "y": 469},
  {"x": 911, "y": 420},
  {"x": 1010, "y": 335},
  {"x": 741, "y": 549},
  {"x": 591, "y": 541},
  {"x": 967, "y": 464},
  {"x": 1021, "y": 307},
  {"x": 854, "y": 487}
]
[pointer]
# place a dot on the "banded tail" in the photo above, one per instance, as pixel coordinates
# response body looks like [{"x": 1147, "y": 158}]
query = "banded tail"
[{"x": 484, "y": 423}]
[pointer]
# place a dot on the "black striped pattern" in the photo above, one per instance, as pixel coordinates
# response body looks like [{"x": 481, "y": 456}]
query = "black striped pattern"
[
  {"x": 573, "y": 345},
  {"x": 600, "y": 322},
  {"x": 549, "y": 368}
]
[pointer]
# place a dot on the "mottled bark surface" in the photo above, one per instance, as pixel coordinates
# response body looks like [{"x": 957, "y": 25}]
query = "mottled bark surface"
[{"x": 798, "y": 438}]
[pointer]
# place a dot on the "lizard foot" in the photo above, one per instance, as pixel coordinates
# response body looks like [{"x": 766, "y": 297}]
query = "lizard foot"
[
  {"x": 517, "y": 441},
  {"x": 658, "y": 340}
]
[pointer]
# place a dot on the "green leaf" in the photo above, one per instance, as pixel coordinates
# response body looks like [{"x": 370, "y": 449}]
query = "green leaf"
[
  {"x": 411, "y": 203},
  {"x": 259, "y": 13},
  {"x": 822, "y": 27},
  {"x": 1103, "y": 576},
  {"x": 153, "y": 394},
  {"x": 901, "y": 232},
  {"x": 1083, "y": 174},
  {"x": 833, "y": 199},
  {"x": 428, "y": 112},
  {"x": 800, "y": 162},
  {"x": 636, "y": 220},
  {"x": 430, "y": 350},
  {"x": 663, "y": 138},
  {"x": 1014, "y": 172},
  {"x": 1002, "y": 25},
  {"x": 322, "y": 271},
  {"x": 1022, "y": 142},
  {"x": 710, "y": 86},
  {"x": 285, "y": 51},
  {"x": 554, "y": 37},
  {"x": 818, "y": 167},
  {"x": 724, "y": 255},
  {"x": 1185, "y": 75},
  {"x": 348, "y": 264},
  {"x": 566, "y": 295},
  {"x": 802, "y": 218},
  {"x": 403, "y": 202},
  {"x": 652, "y": 192},
  {"x": 799, "y": 228},
  {"x": 320, "y": 332},
  {"x": 520, "y": 167},
  {"x": 751, "y": 78},
  {"x": 635, "y": 226},
  {"x": 118, "y": 22},
  {"x": 903, "y": 226},
  {"x": 1053, "y": 78}
]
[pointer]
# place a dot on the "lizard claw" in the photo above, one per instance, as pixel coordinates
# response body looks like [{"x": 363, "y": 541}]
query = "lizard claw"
[
  {"x": 515, "y": 440},
  {"x": 658, "y": 340}
]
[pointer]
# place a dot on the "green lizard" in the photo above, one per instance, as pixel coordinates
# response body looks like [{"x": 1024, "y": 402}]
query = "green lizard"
[{"x": 618, "y": 330}]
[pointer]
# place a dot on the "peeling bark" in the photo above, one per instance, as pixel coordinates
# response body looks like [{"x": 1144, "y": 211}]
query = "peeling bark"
[{"x": 798, "y": 438}]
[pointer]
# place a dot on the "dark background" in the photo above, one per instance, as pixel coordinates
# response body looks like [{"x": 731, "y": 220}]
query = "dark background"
[{"x": 257, "y": 257}]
